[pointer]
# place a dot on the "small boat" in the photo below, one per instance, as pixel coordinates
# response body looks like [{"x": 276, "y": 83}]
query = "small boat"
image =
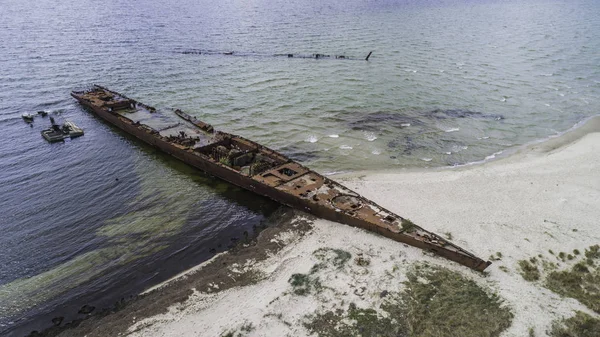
[{"x": 261, "y": 170}]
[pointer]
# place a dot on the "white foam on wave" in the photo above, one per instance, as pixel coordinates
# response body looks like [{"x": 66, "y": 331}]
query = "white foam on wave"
[
  {"x": 426, "y": 159},
  {"x": 405, "y": 125},
  {"x": 458, "y": 148},
  {"x": 376, "y": 152},
  {"x": 334, "y": 136},
  {"x": 370, "y": 136},
  {"x": 312, "y": 139},
  {"x": 493, "y": 155},
  {"x": 452, "y": 130},
  {"x": 346, "y": 147},
  {"x": 484, "y": 137}
]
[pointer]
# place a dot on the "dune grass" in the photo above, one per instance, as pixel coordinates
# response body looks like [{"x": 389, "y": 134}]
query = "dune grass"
[
  {"x": 580, "y": 325},
  {"x": 435, "y": 302},
  {"x": 579, "y": 279}
]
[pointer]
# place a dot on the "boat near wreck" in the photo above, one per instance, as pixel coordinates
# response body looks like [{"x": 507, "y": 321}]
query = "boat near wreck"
[{"x": 261, "y": 170}]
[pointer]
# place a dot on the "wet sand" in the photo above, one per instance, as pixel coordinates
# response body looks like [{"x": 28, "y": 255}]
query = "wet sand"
[{"x": 543, "y": 197}]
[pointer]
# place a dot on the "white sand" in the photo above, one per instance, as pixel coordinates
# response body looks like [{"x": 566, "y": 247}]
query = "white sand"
[{"x": 544, "y": 197}]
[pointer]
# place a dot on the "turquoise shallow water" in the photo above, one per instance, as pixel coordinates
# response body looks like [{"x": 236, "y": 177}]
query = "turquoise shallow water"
[{"x": 449, "y": 82}]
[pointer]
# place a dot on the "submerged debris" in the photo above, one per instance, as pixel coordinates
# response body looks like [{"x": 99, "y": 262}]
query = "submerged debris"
[{"x": 258, "y": 54}]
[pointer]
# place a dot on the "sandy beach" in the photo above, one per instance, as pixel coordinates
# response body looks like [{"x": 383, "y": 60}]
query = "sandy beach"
[{"x": 542, "y": 199}]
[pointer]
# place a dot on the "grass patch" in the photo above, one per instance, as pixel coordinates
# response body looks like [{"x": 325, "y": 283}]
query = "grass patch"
[
  {"x": 353, "y": 322},
  {"x": 304, "y": 284},
  {"x": 580, "y": 325},
  {"x": 496, "y": 257},
  {"x": 337, "y": 257},
  {"x": 241, "y": 332},
  {"x": 440, "y": 302},
  {"x": 529, "y": 270},
  {"x": 436, "y": 302},
  {"x": 580, "y": 281}
]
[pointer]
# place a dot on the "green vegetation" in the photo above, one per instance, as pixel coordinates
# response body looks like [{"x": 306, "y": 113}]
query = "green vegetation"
[
  {"x": 580, "y": 325},
  {"x": 304, "y": 284},
  {"x": 354, "y": 322},
  {"x": 407, "y": 225},
  {"x": 529, "y": 270},
  {"x": 337, "y": 257},
  {"x": 448, "y": 235},
  {"x": 562, "y": 256},
  {"x": 435, "y": 302},
  {"x": 243, "y": 331},
  {"x": 580, "y": 281},
  {"x": 496, "y": 257}
]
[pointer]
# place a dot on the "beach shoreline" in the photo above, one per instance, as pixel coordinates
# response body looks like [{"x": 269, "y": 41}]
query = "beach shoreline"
[{"x": 540, "y": 198}]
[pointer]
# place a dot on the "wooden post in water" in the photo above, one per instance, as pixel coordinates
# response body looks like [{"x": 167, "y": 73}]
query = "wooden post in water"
[{"x": 368, "y": 56}]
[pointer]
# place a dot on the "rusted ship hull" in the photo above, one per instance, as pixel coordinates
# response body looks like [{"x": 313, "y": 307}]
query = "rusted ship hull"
[{"x": 263, "y": 171}]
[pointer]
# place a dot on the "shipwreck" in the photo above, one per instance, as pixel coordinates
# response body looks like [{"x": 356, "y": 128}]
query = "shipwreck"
[{"x": 261, "y": 170}]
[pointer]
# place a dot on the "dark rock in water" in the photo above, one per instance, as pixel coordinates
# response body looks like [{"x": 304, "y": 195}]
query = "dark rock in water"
[
  {"x": 383, "y": 293},
  {"x": 86, "y": 309},
  {"x": 375, "y": 121},
  {"x": 212, "y": 251},
  {"x": 57, "y": 320},
  {"x": 406, "y": 143}
]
